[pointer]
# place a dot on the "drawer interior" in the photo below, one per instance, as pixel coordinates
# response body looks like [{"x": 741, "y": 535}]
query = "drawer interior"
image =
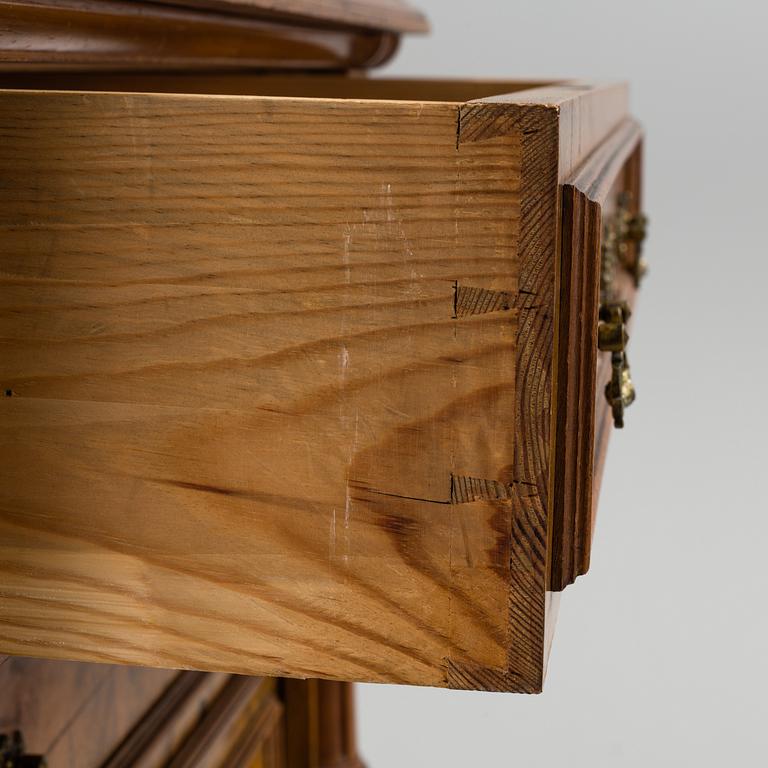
[{"x": 287, "y": 85}]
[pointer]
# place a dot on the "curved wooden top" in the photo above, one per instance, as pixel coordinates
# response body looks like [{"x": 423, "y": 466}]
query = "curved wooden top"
[
  {"x": 390, "y": 15},
  {"x": 110, "y": 35}
]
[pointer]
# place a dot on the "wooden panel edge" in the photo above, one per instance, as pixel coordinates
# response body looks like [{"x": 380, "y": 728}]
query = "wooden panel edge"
[
  {"x": 538, "y": 126},
  {"x": 582, "y": 200},
  {"x": 588, "y": 110}
]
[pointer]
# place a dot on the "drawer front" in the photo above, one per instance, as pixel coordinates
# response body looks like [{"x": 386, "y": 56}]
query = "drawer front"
[
  {"x": 242, "y": 728},
  {"x": 603, "y": 197},
  {"x": 278, "y": 378},
  {"x": 626, "y": 200},
  {"x": 80, "y": 715}
]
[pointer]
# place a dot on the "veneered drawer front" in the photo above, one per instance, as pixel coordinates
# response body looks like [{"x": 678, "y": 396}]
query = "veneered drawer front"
[
  {"x": 73, "y": 713},
  {"x": 592, "y": 279},
  {"x": 279, "y": 378}
]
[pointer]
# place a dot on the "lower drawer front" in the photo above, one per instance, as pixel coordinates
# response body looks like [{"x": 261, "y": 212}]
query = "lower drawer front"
[
  {"x": 78, "y": 715},
  {"x": 278, "y": 377},
  {"x": 75, "y": 714}
]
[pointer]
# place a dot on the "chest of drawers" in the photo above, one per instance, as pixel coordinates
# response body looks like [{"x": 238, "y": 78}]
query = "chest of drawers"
[{"x": 305, "y": 375}]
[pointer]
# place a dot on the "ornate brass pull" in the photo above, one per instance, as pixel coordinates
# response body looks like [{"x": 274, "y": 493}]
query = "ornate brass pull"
[
  {"x": 623, "y": 236},
  {"x": 612, "y": 337},
  {"x": 612, "y": 329},
  {"x": 631, "y": 230},
  {"x": 619, "y": 391}
]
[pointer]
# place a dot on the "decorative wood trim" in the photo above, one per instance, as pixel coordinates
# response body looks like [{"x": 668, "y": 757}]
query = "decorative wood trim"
[
  {"x": 528, "y": 481},
  {"x": 244, "y": 709},
  {"x": 583, "y": 199},
  {"x": 320, "y": 724},
  {"x": 162, "y": 730}
]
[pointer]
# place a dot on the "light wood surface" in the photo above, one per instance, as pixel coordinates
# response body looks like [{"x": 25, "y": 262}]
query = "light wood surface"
[
  {"x": 576, "y": 117},
  {"x": 81, "y": 715},
  {"x": 319, "y": 724},
  {"x": 241, "y": 728},
  {"x": 280, "y": 381}
]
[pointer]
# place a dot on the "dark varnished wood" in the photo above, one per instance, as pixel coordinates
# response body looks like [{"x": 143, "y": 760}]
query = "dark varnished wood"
[
  {"x": 584, "y": 414},
  {"x": 117, "y": 34},
  {"x": 320, "y": 724},
  {"x": 75, "y": 713},
  {"x": 394, "y": 15},
  {"x": 165, "y": 727},
  {"x": 104, "y": 716}
]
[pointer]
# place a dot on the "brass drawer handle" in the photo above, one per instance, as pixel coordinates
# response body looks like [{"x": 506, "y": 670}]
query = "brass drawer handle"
[
  {"x": 631, "y": 230},
  {"x": 623, "y": 236},
  {"x": 612, "y": 337}
]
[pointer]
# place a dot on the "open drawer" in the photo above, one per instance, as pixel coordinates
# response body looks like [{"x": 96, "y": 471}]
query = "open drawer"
[{"x": 293, "y": 367}]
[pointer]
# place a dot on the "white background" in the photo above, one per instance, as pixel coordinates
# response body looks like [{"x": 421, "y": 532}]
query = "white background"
[{"x": 660, "y": 654}]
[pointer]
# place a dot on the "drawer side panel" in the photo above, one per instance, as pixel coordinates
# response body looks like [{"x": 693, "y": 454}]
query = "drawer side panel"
[{"x": 246, "y": 385}]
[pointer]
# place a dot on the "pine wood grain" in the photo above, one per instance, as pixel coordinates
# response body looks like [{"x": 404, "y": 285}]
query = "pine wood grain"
[
  {"x": 241, "y": 728},
  {"x": 630, "y": 180},
  {"x": 573, "y": 118},
  {"x": 279, "y": 434},
  {"x": 281, "y": 380}
]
